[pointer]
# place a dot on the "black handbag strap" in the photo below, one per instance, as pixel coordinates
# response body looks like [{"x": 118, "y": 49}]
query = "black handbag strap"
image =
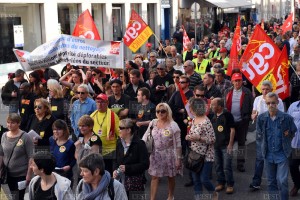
[{"x": 14, "y": 147}]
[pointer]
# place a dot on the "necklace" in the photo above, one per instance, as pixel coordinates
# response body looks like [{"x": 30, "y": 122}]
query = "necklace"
[{"x": 102, "y": 121}]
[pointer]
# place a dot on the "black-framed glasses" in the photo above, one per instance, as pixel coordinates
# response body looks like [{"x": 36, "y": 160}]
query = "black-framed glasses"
[
  {"x": 182, "y": 82},
  {"x": 122, "y": 127},
  {"x": 199, "y": 95},
  {"x": 161, "y": 111},
  {"x": 38, "y": 107},
  {"x": 80, "y": 92},
  {"x": 201, "y": 44}
]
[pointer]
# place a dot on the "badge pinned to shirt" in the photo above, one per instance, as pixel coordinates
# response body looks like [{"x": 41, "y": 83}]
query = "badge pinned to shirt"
[
  {"x": 54, "y": 108},
  {"x": 42, "y": 134},
  {"x": 94, "y": 138},
  {"x": 62, "y": 149},
  {"x": 20, "y": 142},
  {"x": 140, "y": 114},
  {"x": 23, "y": 110},
  {"x": 220, "y": 128},
  {"x": 166, "y": 132}
]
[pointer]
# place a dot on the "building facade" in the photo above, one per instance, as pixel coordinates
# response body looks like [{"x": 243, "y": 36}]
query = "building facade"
[{"x": 42, "y": 20}]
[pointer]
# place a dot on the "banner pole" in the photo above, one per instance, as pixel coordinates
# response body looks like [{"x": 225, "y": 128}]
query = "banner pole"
[
  {"x": 160, "y": 44},
  {"x": 294, "y": 71}
]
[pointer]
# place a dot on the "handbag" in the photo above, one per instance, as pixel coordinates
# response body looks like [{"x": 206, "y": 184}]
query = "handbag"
[
  {"x": 4, "y": 171},
  {"x": 150, "y": 140},
  {"x": 194, "y": 161}
]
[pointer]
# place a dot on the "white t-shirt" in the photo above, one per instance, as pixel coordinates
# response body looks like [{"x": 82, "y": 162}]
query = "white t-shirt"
[{"x": 260, "y": 105}]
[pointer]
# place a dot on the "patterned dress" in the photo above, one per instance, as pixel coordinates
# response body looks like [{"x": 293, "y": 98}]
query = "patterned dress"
[
  {"x": 163, "y": 157},
  {"x": 204, "y": 129}
]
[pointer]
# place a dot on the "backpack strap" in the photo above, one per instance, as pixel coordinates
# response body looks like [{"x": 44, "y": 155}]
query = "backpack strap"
[{"x": 111, "y": 189}]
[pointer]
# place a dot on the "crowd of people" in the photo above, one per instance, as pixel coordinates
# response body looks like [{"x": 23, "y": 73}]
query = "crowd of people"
[{"x": 100, "y": 119}]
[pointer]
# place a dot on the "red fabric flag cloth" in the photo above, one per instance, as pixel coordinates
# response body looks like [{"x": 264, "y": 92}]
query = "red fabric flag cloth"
[
  {"x": 137, "y": 32},
  {"x": 235, "y": 48},
  {"x": 85, "y": 27},
  {"x": 288, "y": 24},
  {"x": 281, "y": 75},
  {"x": 183, "y": 97},
  {"x": 259, "y": 58},
  {"x": 186, "y": 39}
]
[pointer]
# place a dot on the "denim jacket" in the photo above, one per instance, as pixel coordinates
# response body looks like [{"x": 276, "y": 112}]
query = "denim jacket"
[{"x": 286, "y": 124}]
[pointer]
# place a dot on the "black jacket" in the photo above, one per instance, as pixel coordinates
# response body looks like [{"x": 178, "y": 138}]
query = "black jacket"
[
  {"x": 26, "y": 108},
  {"x": 9, "y": 88},
  {"x": 130, "y": 92},
  {"x": 136, "y": 159}
]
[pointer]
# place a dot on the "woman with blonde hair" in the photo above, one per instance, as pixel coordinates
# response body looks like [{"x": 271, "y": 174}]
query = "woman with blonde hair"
[
  {"x": 41, "y": 122},
  {"x": 165, "y": 160}
]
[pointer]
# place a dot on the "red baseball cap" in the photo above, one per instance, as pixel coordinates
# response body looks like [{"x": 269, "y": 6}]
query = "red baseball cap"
[
  {"x": 149, "y": 44},
  {"x": 102, "y": 97},
  {"x": 236, "y": 76},
  {"x": 223, "y": 50}
]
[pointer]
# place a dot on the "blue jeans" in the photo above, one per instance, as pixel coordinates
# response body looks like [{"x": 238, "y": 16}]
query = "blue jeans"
[
  {"x": 259, "y": 165},
  {"x": 202, "y": 178},
  {"x": 223, "y": 165},
  {"x": 278, "y": 179}
]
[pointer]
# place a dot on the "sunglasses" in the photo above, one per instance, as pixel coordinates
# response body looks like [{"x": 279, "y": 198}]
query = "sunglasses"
[
  {"x": 161, "y": 111},
  {"x": 182, "y": 82},
  {"x": 160, "y": 68},
  {"x": 201, "y": 44},
  {"x": 177, "y": 77},
  {"x": 122, "y": 127},
  {"x": 199, "y": 95},
  {"x": 271, "y": 103},
  {"x": 38, "y": 107},
  {"x": 80, "y": 92},
  {"x": 94, "y": 74}
]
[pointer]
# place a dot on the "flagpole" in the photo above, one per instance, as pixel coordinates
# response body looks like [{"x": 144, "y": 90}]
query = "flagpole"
[
  {"x": 294, "y": 71},
  {"x": 160, "y": 44}
]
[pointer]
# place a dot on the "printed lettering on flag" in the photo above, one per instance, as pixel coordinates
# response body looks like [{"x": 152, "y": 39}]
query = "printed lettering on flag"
[
  {"x": 85, "y": 27},
  {"x": 279, "y": 76},
  {"x": 137, "y": 32},
  {"x": 259, "y": 57},
  {"x": 186, "y": 39},
  {"x": 288, "y": 24}
]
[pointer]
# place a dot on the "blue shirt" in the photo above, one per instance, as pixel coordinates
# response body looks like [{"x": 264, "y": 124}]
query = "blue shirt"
[
  {"x": 78, "y": 110},
  {"x": 275, "y": 152},
  {"x": 294, "y": 111}
]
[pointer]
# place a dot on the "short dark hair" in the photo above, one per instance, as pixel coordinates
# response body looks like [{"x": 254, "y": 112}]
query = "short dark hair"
[
  {"x": 220, "y": 71},
  {"x": 200, "y": 51},
  {"x": 45, "y": 160},
  {"x": 178, "y": 72},
  {"x": 135, "y": 72},
  {"x": 199, "y": 87},
  {"x": 145, "y": 91},
  {"x": 92, "y": 162},
  {"x": 211, "y": 76},
  {"x": 187, "y": 79}
]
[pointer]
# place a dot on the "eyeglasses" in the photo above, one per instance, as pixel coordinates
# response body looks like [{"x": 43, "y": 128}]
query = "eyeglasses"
[
  {"x": 182, "y": 82},
  {"x": 38, "y": 107},
  {"x": 80, "y": 92},
  {"x": 161, "y": 111},
  {"x": 271, "y": 103},
  {"x": 185, "y": 66},
  {"x": 177, "y": 77},
  {"x": 94, "y": 74},
  {"x": 159, "y": 68},
  {"x": 122, "y": 127},
  {"x": 199, "y": 95},
  {"x": 201, "y": 44}
]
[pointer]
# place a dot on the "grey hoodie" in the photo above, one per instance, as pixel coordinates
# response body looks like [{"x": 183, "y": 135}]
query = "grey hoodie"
[{"x": 62, "y": 187}]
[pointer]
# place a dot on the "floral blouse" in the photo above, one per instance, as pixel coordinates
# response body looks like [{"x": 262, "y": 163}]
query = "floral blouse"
[{"x": 205, "y": 130}]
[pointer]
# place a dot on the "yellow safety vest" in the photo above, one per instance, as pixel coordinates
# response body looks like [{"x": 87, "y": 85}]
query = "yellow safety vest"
[
  {"x": 225, "y": 61},
  {"x": 202, "y": 68},
  {"x": 215, "y": 55},
  {"x": 184, "y": 54}
]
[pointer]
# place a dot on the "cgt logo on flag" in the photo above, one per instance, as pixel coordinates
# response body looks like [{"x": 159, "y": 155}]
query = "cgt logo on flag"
[{"x": 115, "y": 48}]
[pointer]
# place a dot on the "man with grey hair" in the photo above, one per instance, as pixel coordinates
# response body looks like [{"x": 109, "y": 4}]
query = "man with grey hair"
[
  {"x": 223, "y": 124},
  {"x": 259, "y": 107},
  {"x": 84, "y": 105},
  {"x": 195, "y": 78},
  {"x": 275, "y": 131},
  {"x": 189, "y": 53}
]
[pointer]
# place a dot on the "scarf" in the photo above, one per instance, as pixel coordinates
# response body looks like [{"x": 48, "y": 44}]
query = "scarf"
[{"x": 89, "y": 194}]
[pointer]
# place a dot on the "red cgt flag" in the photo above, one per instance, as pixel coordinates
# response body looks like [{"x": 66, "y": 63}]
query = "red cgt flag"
[
  {"x": 137, "y": 32},
  {"x": 259, "y": 57},
  {"x": 235, "y": 48},
  {"x": 85, "y": 27},
  {"x": 288, "y": 24},
  {"x": 279, "y": 76},
  {"x": 186, "y": 39}
]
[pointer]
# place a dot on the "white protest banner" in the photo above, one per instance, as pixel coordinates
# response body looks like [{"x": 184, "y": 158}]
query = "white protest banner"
[{"x": 73, "y": 50}]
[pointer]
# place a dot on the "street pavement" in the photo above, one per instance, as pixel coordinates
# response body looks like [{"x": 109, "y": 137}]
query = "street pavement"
[{"x": 242, "y": 179}]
